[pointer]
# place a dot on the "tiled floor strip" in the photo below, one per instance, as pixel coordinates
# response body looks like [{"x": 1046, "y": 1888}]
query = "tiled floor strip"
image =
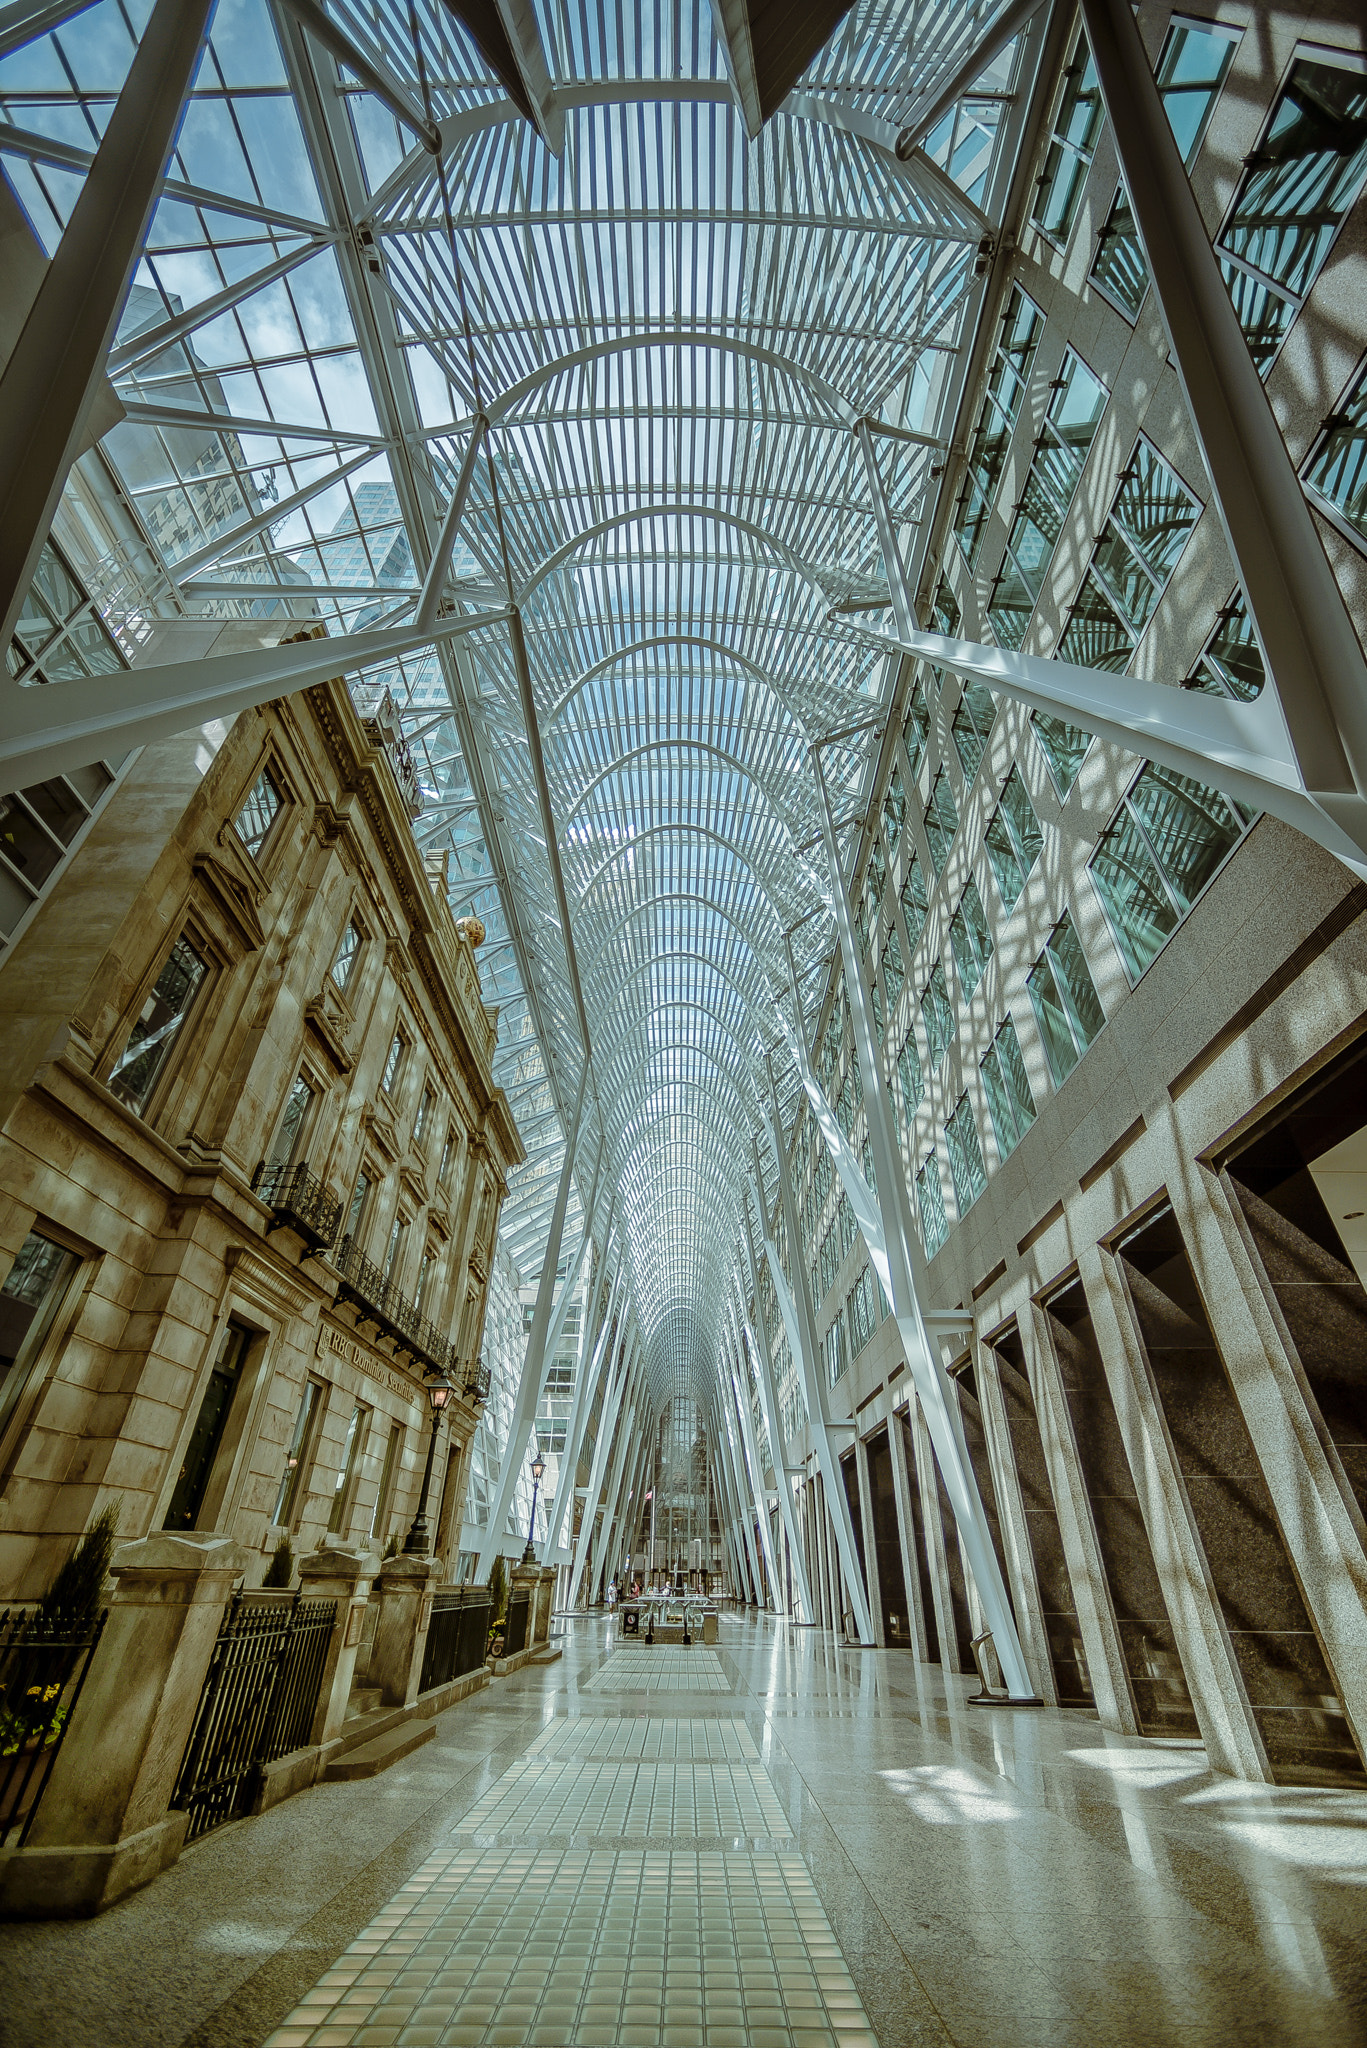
[{"x": 549, "y": 1945}]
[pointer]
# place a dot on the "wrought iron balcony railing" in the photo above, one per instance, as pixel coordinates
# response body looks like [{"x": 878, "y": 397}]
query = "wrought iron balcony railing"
[
  {"x": 298, "y": 1198},
  {"x": 478, "y": 1380},
  {"x": 391, "y": 1311}
]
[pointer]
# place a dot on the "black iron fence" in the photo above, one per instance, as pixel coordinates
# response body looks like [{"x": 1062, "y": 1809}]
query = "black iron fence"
[
  {"x": 457, "y": 1634},
  {"x": 297, "y": 1197},
  {"x": 42, "y": 1670},
  {"x": 259, "y": 1700}
]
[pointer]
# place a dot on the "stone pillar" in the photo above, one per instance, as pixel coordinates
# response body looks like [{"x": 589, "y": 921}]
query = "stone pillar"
[
  {"x": 937, "y": 1536},
  {"x": 103, "y": 1828},
  {"x": 526, "y": 1580},
  {"x": 1096, "y": 1620},
  {"x": 545, "y": 1601},
  {"x": 902, "y": 1483},
  {"x": 1310, "y": 1494},
  {"x": 871, "y": 1574},
  {"x": 1223, "y": 1714},
  {"x": 401, "y": 1630},
  {"x": 343, "y": 1576}
]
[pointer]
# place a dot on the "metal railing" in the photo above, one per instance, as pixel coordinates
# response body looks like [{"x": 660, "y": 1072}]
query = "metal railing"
[
  {"x": 478, "y": 1380},
  {"x": 42, "y": 1670},
  {"x": 457, "y": 1635},
  {"x": 390, "y": 1310},
  {"x": 258, "y": 1703},
  {"x": 298, "y": 1198}
]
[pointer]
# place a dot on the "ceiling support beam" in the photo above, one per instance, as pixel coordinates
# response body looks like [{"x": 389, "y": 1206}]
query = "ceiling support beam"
[
  {"x": 902, "y": 1258},
  {"x": 374, "y": 77},
  {"x": 1313, "y": 654},
  {"x": 434, "y": 581},
  {"x": 26, "y": 20},
  {"x": 150, "y": 341},
  {"x": 145, "y": 413},
  {"x": 903, "y": 610},
  {"x": 57, "y": 366},
  {"x": 932, "y": 107},
  {"x": 548, "y": 1319},
  {"x": 1242, "y": 749},
  {"x": 758, "y": 1338},
  {"x": 527, "y": 700},
  {"x": 795, "y": 1306},
  {"x": 69, "y": 725},
  {"x": 270, "y": 515}
]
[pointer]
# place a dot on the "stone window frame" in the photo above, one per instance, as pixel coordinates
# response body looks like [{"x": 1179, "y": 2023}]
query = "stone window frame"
[
  {"x": 197, "y": 1019},
  {"x": 395, "y": 1069},
  {"x": 268, "y": 762},
  {"x": 43, "y": 1367}
]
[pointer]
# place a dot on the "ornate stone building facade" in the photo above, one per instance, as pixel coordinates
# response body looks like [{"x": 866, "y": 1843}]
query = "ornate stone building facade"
[{"x": 253, "y": 1157}]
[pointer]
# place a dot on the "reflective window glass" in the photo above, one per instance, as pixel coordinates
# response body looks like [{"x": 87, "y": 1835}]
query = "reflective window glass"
[
  {"x": 259, "y": 813},
  {"x": 1010, "y": 1098},
  {"x": 1007, "y": 380},
  {"x": 937, "y": 1015},
  {"x": 1337, "y": 471},
  {"x": 930, "y": 1202},
  {"x": 1069, "y": 154},
  {"x": 1065, "y": 1001},
  {"x": 1160, "y": 851},
  {"x": 144, "y": 1058},
  {"x": 1299, "y": 184},
  {"x": 34, "y": 1290},
  {"x": 965, "y": 1155},
  {"x": 971, "y": 938},
  {"x": 941, "y": 821}
]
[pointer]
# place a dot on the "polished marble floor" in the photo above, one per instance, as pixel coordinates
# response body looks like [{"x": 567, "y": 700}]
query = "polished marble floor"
[{"x": 821, "y": 1846}]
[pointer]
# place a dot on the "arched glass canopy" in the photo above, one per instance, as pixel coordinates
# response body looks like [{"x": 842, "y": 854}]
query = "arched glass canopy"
[{"x": 673, "y": 326}]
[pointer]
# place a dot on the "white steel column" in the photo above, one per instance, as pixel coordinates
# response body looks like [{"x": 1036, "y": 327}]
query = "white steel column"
[
  {"x": 607, "y": 1427},
  {"x": 740, "y": 1507},
  {"x": 902, "y": 1258},
  {"x": 585, "y": 1386},
  {"x": 795, "y": 1303},
  {"x": 759, "y": 1343},
  {"x": 750, "y": 1450},
  {"x": 547, "y": 1313},
  {"x": 622, "y": 1450}
]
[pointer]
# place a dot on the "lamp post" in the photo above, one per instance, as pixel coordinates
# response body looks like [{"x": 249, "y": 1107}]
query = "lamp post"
[
  {"x": 439, "y": 1391},
  {"x": 538, "y": 1467}
]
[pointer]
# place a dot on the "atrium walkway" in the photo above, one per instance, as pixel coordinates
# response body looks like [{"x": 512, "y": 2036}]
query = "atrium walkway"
[{"x": 774, "y": 1845}]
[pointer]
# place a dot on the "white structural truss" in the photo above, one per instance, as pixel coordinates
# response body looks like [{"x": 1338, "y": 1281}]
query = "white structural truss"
[{"x": 589, "y": 386}]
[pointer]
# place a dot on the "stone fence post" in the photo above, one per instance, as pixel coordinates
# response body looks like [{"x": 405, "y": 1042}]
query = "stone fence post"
[
  {"x": 406, "y": 1585},
  {"x": 343, "y": 1576},
  {"x": 102, "y": 1828},
  {"x": 545, "y": 1601}
]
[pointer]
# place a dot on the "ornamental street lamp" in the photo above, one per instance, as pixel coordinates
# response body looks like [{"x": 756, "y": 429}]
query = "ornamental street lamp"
[
  {"x": 538, "y": 1467},
  {"x": 439, "y": 1391}
]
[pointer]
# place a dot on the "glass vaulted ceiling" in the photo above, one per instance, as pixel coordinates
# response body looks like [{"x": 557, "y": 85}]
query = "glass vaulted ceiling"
[{"x": 672, "y": 330}]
